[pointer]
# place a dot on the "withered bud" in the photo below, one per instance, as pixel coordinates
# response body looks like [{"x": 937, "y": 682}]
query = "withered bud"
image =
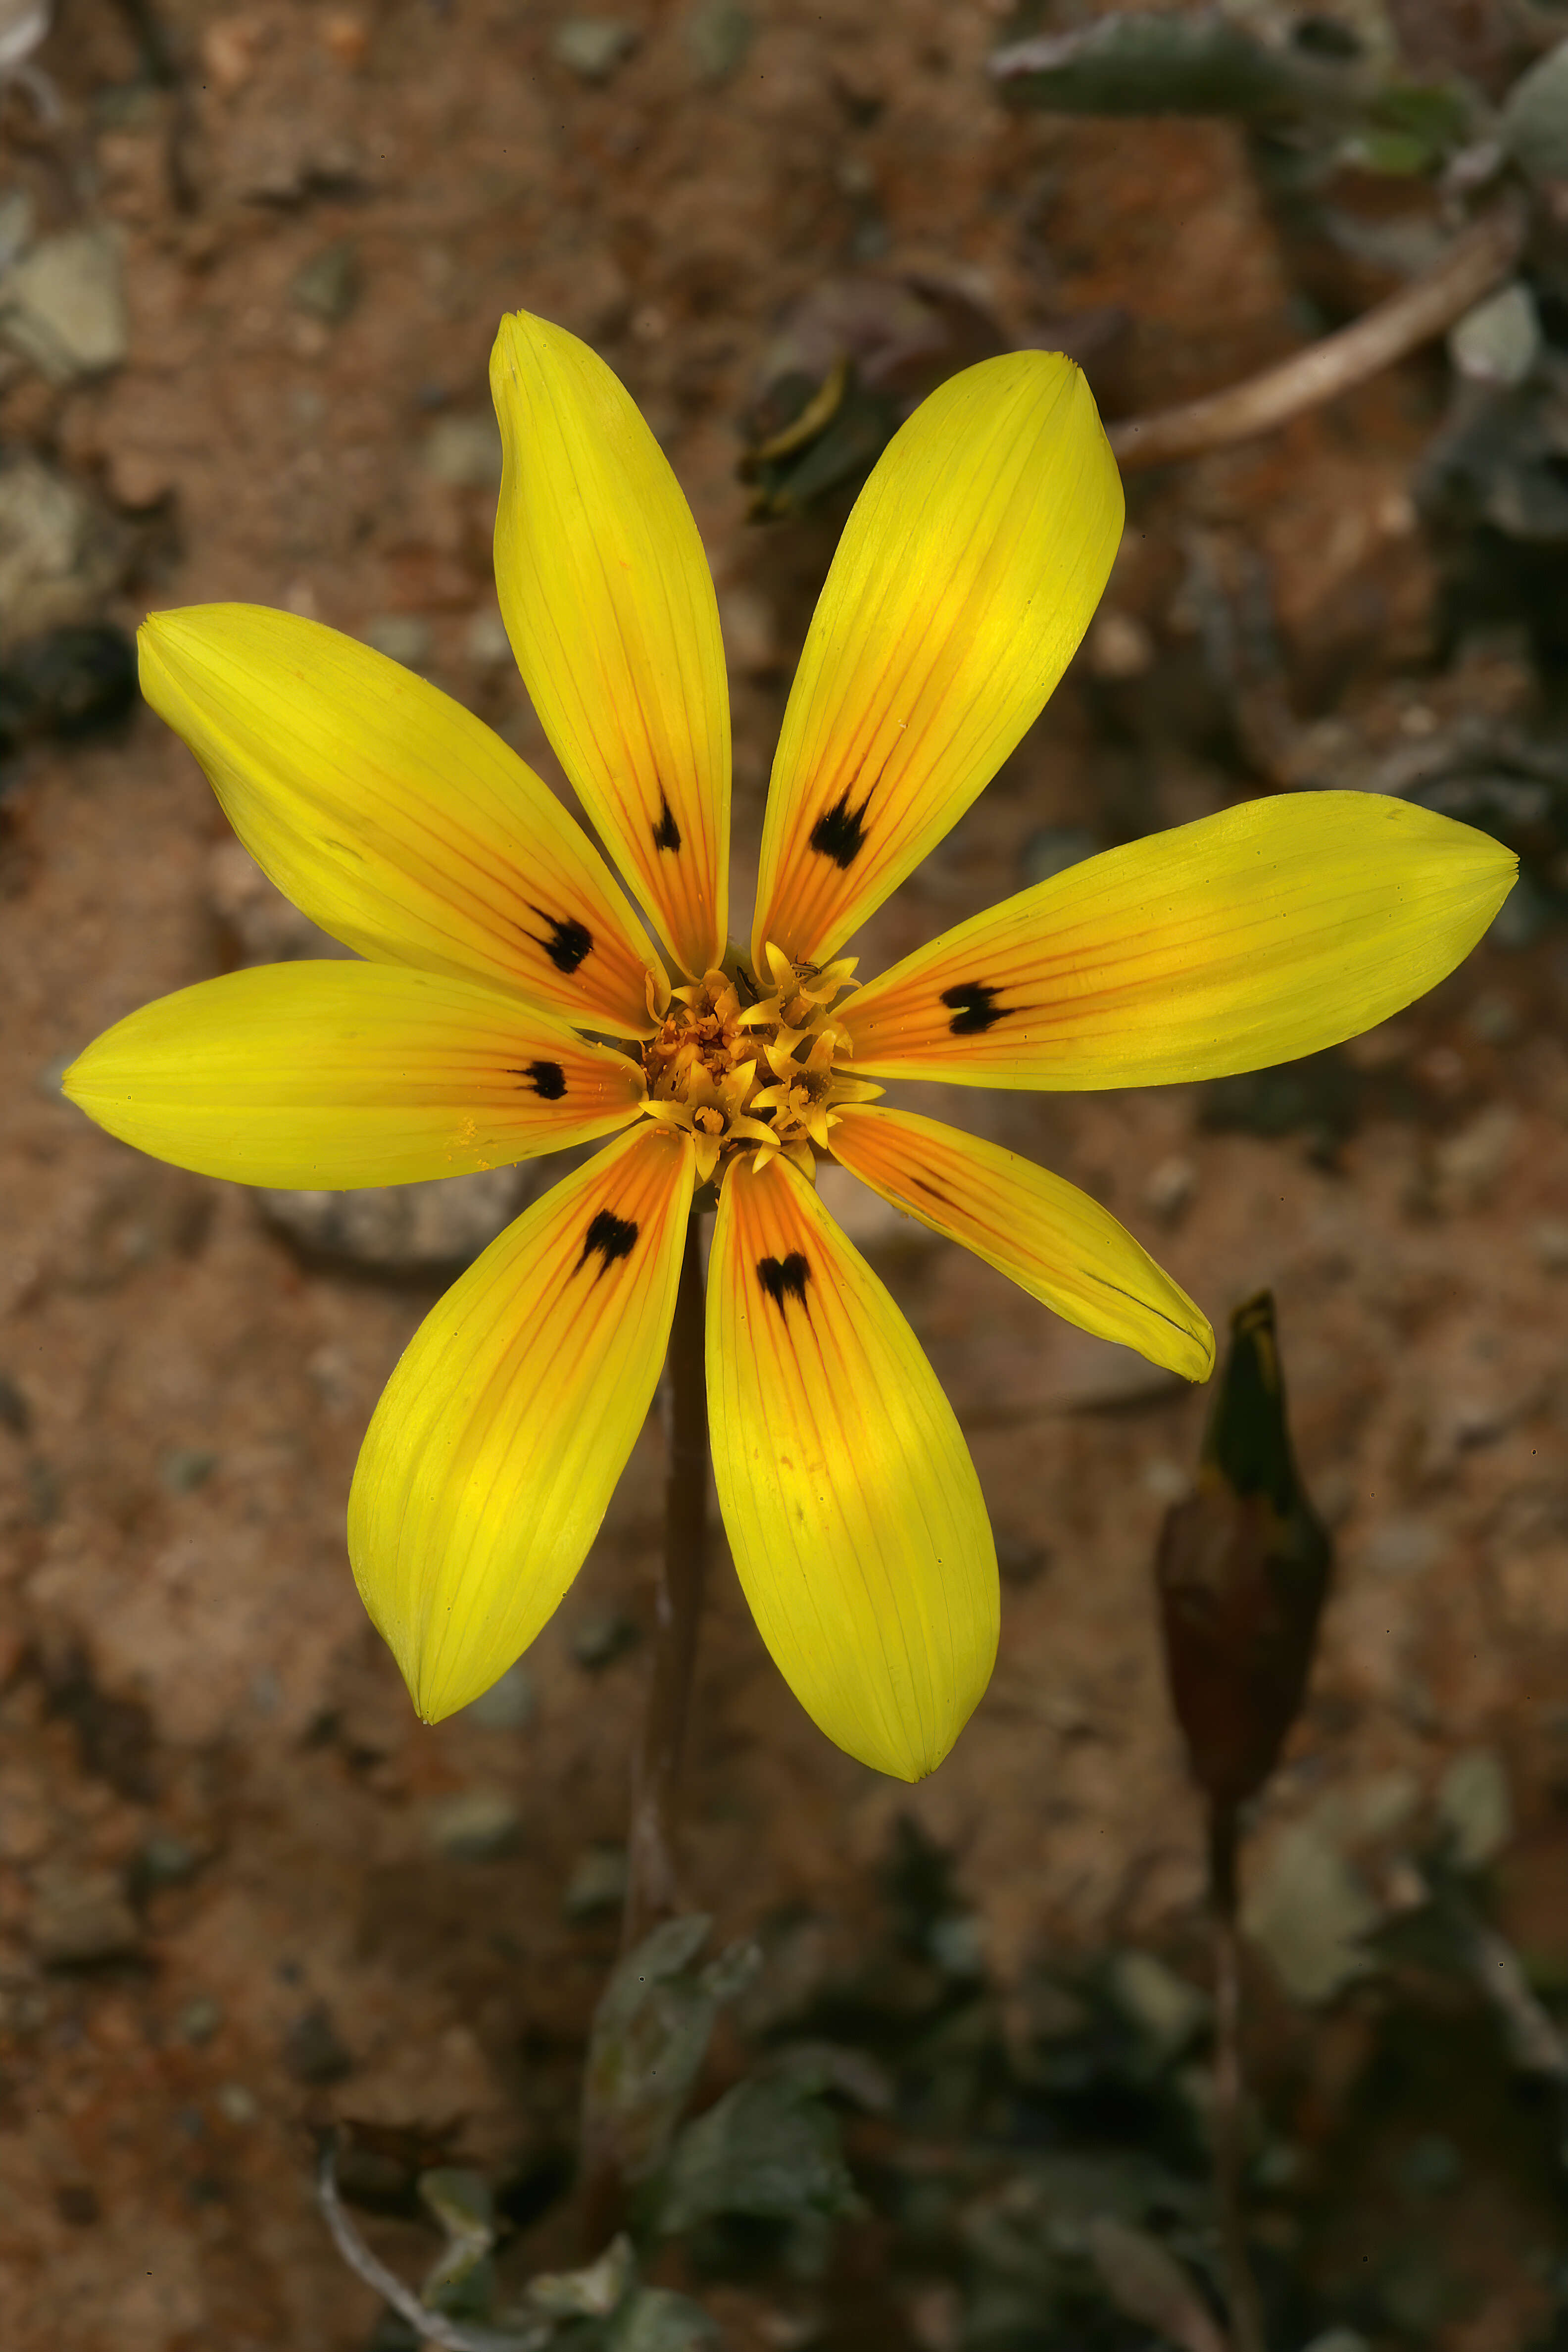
[{"x": 1242, "y": 1567}]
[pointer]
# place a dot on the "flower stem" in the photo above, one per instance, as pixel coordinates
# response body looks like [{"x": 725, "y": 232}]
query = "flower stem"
[
  {"x": 1229, "y": 2084},
  {"x": 652, "y": 1877}
]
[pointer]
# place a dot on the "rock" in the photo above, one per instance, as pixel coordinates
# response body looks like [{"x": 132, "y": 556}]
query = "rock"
[
  {"x": 1474, "y": 1807},
  {"x": 508, "y": 1705},
  {"x": 1118, "y": 646},
  {"x": 199, "y": 2020},
  {"x": 228, "y": 48},
  {"x": 164, "y": 1860},
  {"x": 956, "y": 1942},
  {"x": 718, "y": 38},
  {"x": 62, "y": 305},
  {"x": 597, "y": 1884},
  {"x": 749, "y": 631},
  {"x": 266, "y": 927},
  {"x": 402, "y": 636},
  {"x": 313, "y": 2050},
  {"x": 1168, "y": 1186},
  {"x": 445, "y": 1222},
  {"x": 1167, "y": 2010},
  {"x": 1499, "y": 342},
  {"x": 477, "y": 1825},
  {"x": 329, "y": 285},
  {"x": 15, "y": 224},
  {"x": 81, "y": 1916},
  {"x": 1052, "y": 849},
  {"x": 592, "y": 47},
  {"x": 60, "y": 555},
  {"x": 1402, "y": 1546},
  {"x": 236, "y": 2105},
  {"x": 1469, "y": 1165},
  {"x": 485, "y": 640},
  {"x": 1020, "y": 1560},
  {"x": 1525, "y": 914},
  {"x": 1308, "y": 1910},
  {"x": 465, "y": 452},
  {"x": 184, "y": 1468},
  {"x": 1549, "y": 1239},
  {"x": 597, "y": 1640},
  {"x": 70, "y": 682}
]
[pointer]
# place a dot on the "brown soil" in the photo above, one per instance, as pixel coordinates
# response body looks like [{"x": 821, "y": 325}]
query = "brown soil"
[{"x": 183, "y": 1652}]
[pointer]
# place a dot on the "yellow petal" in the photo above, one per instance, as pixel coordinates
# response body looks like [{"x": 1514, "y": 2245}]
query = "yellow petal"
[
  {"x": 1268, "y": 931},
  {"x": 967, "y": 574},
  {"x": 500, "y": 1437},
  {"x": 609, "y": 604},
  {"x": 329, "y": 1074},
  {"x": 1056, "y": 1242},
  {"x": 851, "y": 1504},
  {"x": 391, "y": 817}
]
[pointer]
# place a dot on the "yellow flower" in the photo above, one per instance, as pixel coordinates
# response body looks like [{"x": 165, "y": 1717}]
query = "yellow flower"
[{"x": 500, "y": 953}]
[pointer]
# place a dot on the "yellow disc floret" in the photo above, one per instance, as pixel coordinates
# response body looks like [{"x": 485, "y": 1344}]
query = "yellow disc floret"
[{"x": 745, "y": 1070}]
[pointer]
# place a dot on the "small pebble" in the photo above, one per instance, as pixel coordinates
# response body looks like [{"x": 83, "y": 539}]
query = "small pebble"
[
  {"x": 236, "y": 2104},
  {"x": 465, "y": 452},
  {"x": 1166, "y": 2010},
  {"x": 508, "y": 1706},
  {"x": 957, "y": 1943},
  {"x": 597, "y": 1884},
  {"x": 477, "y": 1825},
  {"x": 199, "y": 2020},
  {"x": 1549, "y": 1239},
  {"x": 63, "y": 305},
  {"x": 1168, "y": 1186},
  {"x": 328, "y": 286},
  {"x": 1052, "y": 849},
  {"x": 81, "y": 1916},
  {"x": 1020, "y": 1559},
  {"x": 402, "y": 636},
  {"x": 592, "y": 47},
  {"x": 184, "y": 1468},
  {"x": 718, "y": 37},
  {"x": 165, "y": 1862},
  {"x": 597, "y": 1640},
  {"x": 485, "y": 641},
  {"x": 313, "y": 2050},
  {"x": 1475, "y": 1808},
  {"x": 1119, "y": 646}
]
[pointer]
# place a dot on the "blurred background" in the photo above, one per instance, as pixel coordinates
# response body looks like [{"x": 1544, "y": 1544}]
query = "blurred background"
[{"x": 251, "y": 262}]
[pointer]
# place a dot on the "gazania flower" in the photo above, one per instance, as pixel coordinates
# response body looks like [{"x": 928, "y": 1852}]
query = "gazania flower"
[{"x": 510, "y": 1003}]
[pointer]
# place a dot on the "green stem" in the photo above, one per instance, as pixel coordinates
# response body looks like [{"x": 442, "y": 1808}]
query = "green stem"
[
  {"x": 653, "y": 1887},
  {"x": 1229, "y": 2083},
  {"x": 653, "y": 1890}
]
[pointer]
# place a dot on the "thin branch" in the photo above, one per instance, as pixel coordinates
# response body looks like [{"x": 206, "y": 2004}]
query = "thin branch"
[
  {"x": 1474, "y": 264},
  {"x": 652, "y": 1878},
  {"x": 431, "y": 2326},
  {"x": 1229, "y": 2084}
]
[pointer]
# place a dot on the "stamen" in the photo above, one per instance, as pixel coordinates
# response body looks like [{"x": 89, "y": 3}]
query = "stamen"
[{"x": 738, "y": 1069}]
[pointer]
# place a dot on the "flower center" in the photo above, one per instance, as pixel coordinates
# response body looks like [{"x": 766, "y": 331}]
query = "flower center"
[{"x": 741, "y": 1068}]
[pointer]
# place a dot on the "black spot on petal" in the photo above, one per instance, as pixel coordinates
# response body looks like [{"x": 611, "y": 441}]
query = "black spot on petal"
[
  {"x": 666, "y": 832},
  {"x": 784, "y": 1277},
  {"x": 548, "y": 1079},
  {"x": 839, "y": 831},
  {"x": 974, "y": 1008},
  {"x": 568, "y": 944},
  {"x": 609, "y": 1237}
]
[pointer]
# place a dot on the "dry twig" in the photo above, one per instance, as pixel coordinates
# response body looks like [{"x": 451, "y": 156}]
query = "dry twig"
[{"x": 1474, "y": 264}]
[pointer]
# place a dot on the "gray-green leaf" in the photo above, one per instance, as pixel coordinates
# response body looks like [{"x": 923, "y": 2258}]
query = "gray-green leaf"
[{"x": 766, "y": 2148}]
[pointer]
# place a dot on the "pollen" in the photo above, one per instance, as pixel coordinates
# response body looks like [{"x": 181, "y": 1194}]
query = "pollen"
[{"x": 745, "y": 1064}]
